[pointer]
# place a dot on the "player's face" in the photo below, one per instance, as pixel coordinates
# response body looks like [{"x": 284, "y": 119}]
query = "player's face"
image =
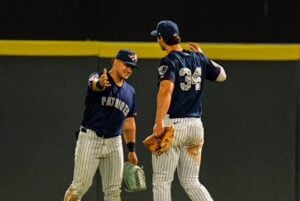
[{"x": 123, "y": 70}]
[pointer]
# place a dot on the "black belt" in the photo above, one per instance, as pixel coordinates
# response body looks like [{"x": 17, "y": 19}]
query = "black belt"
[{"x": 84, "y": 130}]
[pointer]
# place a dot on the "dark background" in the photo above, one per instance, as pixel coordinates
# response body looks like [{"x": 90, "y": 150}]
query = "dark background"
[
  {"x": 261, "y": 21},
  {"x": 250, "y": 129}
]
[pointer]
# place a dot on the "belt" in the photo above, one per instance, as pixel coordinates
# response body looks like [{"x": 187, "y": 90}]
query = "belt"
[{"x": 84, "y": 130}]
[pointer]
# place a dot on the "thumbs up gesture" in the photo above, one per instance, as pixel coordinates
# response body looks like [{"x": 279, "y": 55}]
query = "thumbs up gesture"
[{"x": 103, "y": 80}]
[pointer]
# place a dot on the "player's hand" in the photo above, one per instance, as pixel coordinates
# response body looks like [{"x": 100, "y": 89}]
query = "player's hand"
[
  {"x": 132, "y": 158},
  {"x": 158, "y": 128},
  {"x": 195, "y": 47},
  {"x": 103, "y": 80}
]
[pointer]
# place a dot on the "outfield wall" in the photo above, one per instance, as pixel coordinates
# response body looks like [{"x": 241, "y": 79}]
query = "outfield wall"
[{"x": 251, "y": 124}]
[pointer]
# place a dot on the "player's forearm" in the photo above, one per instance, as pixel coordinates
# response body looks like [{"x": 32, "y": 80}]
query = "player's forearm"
[
  {"x": 129, "y": 133},
  {"x": 129, "y": 138},
  {"x": 164, "y": 97}
]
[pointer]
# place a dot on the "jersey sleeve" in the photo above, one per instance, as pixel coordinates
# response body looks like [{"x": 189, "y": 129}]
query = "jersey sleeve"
[
  {"x": 212, "y": 72},
  {"x": 166, "y": 70}
]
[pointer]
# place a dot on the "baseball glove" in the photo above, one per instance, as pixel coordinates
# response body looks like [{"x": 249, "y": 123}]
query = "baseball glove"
[
  {"x": 134, "y": 177},
  {"x": 161, "y": 144}
]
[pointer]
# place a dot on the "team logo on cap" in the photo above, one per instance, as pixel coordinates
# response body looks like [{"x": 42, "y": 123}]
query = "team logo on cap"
[{"x": 133, "y": 57}]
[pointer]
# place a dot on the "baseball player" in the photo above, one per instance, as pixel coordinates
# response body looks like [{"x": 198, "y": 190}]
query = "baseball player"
[
  {"x": 181, "y": 75},
  {"x": 109, "y": 113}
]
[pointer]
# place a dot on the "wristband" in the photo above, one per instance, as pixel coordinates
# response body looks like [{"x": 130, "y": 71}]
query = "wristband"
[{"x": 131, "y": 146}]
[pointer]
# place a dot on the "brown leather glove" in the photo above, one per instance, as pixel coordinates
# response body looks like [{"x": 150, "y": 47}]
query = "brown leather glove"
[{"x": 161, "y": 144}]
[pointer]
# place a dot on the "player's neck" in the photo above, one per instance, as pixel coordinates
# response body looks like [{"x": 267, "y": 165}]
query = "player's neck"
[{"x": 172, "y": 48}]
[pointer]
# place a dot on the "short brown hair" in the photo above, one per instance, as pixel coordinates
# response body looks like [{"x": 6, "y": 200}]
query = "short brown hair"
[{"x": 172, "y": 40}]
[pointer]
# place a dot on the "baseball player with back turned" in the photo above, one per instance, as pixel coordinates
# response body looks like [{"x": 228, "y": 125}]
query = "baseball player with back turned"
[
  {"x": 181, "y": 75},
  {"x": 109, "y": 113}
]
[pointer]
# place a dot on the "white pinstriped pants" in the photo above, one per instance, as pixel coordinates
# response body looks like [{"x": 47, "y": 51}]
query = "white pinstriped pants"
[
  {"x": 185, "y": 155},
  {"x": 92, "y": 153}
]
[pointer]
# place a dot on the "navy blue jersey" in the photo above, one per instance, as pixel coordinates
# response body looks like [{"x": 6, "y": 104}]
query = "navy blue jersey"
[
  {"x": 187, "y": 70},
  {"x": 106, "y": 110}
]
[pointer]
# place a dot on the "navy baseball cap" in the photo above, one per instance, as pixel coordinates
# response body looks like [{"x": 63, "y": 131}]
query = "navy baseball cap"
[
  {"x": 128, "y": 57},
  {"x": 166, "y": 29}
]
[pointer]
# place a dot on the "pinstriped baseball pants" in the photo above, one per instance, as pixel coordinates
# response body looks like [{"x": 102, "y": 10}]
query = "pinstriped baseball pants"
[
  {"x": 92, "y": 153},
  {"x": 185, "y": 156}
]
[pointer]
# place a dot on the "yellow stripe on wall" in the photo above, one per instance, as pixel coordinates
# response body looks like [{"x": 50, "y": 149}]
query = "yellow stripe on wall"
[
  {"x": 47, "y": 48},
  {"x": 149, "y": 50}
]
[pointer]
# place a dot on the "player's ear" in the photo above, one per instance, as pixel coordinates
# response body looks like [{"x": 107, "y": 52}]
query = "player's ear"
[{"x": 112, "y": 61}]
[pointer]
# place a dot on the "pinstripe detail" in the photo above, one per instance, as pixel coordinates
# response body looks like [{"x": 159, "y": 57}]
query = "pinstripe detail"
[
  {"x": 93, "y": 152},
  {"x": 188, "y": 132},
  {"x": 111, "y": 169}
]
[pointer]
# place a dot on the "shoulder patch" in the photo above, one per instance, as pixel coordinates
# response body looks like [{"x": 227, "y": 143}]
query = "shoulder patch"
[{"x": 162, "y": 70}]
